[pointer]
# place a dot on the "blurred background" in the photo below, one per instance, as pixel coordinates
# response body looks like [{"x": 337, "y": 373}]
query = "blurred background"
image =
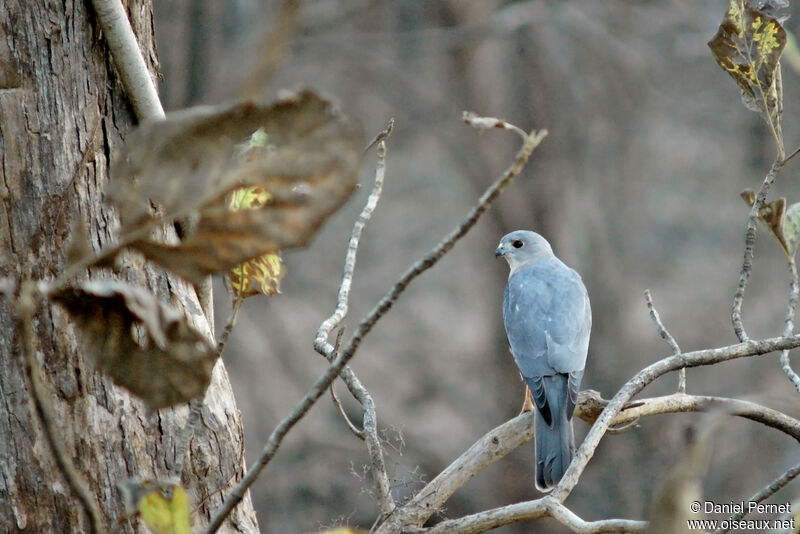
[{"x": 637, "y": 186}]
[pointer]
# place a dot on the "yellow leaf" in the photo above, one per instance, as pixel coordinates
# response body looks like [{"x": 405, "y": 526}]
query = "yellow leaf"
[
  {"x": 748, "y": 46},
  {"x": 261, "y": 275},
  {"x": 165, "y": 515}
]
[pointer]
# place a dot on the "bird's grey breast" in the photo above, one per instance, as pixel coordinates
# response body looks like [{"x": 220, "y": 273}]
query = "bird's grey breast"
[{"x": 547, "y": 318}]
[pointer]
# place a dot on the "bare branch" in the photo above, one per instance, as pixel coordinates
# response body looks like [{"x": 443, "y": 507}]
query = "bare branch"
[
  {"x": 793, "y": 154},
  {"x": 645, "y": 377},
  {"x": 321, "y": 344},
  {"x": 764, "y": 493},
  {"x": 487, "y": 123},
  {"x": 226, "y": 332},
  {"x": 544, "y": 507},
  {"x": 749, "y": 244},
  {"x": 590, "y": 406},
  {"x": 25, "y": 308},
  {"x": 788, "y": 327},
  {"x": 491, "y": 447},
  {"x": 365, "y": 326},
  {"x": 664, "y": 333},
  {"x": 369, "y": 433},
  {"x": 355, "y": 430},
  {"x": 500, "y": 441},
  {"x": 128, "y": 58}
]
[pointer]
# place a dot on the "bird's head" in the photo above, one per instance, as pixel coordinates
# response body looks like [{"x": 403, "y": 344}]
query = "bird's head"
[{"x": 520, "y": 247}]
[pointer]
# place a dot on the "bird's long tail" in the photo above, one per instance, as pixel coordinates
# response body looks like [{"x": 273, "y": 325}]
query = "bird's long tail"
[{"x": 555, "y": 442}]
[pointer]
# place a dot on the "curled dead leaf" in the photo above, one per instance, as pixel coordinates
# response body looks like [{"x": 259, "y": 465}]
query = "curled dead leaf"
[
  {"x": 306, "y": 157},
  {"x": 144, "y": 345}
]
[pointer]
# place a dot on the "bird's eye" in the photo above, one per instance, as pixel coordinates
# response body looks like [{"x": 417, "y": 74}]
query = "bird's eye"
[{"x": 517, "y": 244}]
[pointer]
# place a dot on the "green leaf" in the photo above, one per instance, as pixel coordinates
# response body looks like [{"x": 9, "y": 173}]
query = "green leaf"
[
  {"x": 144, "y": 345},
  {"x": 748, "y": 46}
]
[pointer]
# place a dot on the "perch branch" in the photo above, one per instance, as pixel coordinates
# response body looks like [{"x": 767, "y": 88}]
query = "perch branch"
[
  {"x": 129, "y": 60},
  {"x": 370, "y": 419},
  {"x": 764, "y": 493},
  {"x": 25, "y": 308},
  {"x": 590, "y": 406},
  {"x": 749, "y": 244},
  {"x": 788, "y": 327},
  {"x": 381, "y": 308},
  {"x": 645, "y": 377},
  {"x": 666, "y": 336},
  {"x": 501, "y": 440},
  {"x": 544, "y": 507}
]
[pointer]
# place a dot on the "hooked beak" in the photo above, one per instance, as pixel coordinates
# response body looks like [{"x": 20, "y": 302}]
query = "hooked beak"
[{"x": 499, "y": 251}]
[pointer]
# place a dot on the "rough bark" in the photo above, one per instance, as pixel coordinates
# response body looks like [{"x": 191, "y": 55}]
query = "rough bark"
[{"x": 62, "y": 116}]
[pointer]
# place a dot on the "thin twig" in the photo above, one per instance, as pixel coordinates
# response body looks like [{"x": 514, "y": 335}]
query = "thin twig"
[
  {"x": 129, "y": 60},
  {"x": 790, "y": 156},
  {"x": 365, "y": 326},
  {"x": 369, "y": 431},
  {"x": 359, "y": 433},
  {"x": 321, "y": 344},
  {"x": 25, "y": 308},
  {"x": 749, "y": 244},
  {"x": 788, "y": 327},
  {"x": 666, "y": 336},
  {"x": 763, "y": 494},
  {"x": 793, "y": 154},
  {"x": 226, "y": 333}
]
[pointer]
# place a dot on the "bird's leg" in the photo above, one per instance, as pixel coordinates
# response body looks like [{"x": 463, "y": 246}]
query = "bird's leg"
[{"x": 527, "y": 404}]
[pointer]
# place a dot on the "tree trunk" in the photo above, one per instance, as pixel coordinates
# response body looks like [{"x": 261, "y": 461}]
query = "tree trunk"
[{"x": 63, "y": 114}]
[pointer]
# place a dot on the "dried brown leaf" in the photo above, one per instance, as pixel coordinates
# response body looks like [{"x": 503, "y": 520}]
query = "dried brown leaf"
[
  {"x": 144, "y": 345},
  {"x": 748, "y": 46},
  {"x": 190, "y": 162}
]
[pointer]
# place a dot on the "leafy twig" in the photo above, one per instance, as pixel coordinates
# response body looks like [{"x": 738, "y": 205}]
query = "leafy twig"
[
  {"x": 384, "y": 305},
  {"x": 666, "y": 336},
  {"x": 25, "y": 308}
]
